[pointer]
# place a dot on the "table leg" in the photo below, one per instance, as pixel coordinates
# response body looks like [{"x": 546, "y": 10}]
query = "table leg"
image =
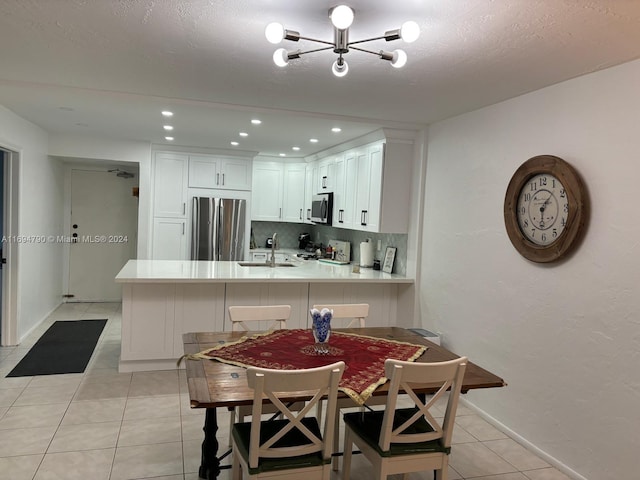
[{"x": 209, "y": 463}]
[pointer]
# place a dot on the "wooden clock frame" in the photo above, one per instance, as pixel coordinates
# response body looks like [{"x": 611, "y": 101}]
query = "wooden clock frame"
[{"x": 576, "y": 219}]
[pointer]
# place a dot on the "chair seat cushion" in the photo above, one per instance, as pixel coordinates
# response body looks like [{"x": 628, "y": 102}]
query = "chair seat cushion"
[
  {"x": 368, "y": 426},
  {"x": 242, "y": 432}
]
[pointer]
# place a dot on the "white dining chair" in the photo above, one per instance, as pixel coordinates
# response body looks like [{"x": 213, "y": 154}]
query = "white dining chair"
[
  {"x": 347, "y": 315},
  {"x": 411, "y": 439},
  {"x": 296, "y": 446},
  {"x": 244, "y": 318},
  {"x": 256, "y": 317}
]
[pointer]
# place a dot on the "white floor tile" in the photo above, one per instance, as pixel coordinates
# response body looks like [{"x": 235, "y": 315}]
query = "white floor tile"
[
  {"x": 147, "y": 461},
  {"x": 150, "y": 430},
  {"x": 93, "y": 464},
  {"x": 25, "y": 441},
  {"x": 95, "y": 411},
  {"x": 88, "y": 436},
  {"x": 33, "y": 416},
  {"x": 21, "y": 467}
]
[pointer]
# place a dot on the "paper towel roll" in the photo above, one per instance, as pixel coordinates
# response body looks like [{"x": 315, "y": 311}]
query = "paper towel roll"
[{"x": 366, "y": 254}]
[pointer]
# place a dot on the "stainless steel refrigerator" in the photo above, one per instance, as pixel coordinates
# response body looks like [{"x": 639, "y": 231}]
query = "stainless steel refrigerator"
[{"x": 218, "y": 228}]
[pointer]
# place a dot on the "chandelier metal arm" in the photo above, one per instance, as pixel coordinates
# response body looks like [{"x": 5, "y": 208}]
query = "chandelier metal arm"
[
  {"x": 316, "y": 50},
  {"x": 364, "y": 50},
  {"x": 383, "y": 37},
  {"x": 317, "y": 41}
]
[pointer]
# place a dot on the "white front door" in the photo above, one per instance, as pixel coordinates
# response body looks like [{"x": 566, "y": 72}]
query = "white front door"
[{"x": 104, "y": 218}]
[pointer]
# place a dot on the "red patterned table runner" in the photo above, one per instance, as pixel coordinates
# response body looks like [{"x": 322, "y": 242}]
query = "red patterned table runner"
[{"x": 293, "y": 349}]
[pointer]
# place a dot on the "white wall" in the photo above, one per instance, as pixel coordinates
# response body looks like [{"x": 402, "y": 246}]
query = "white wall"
[
  {"x": 40, "y": 204},
  {"x": 566, "y": 337},
  {"x": 83, "y": 147}
]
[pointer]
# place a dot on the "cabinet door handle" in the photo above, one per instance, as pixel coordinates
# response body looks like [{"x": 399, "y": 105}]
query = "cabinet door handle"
[
  {"x": 300, "y": 214},
  {"x": 183, "y": 228},
  {"x": 223, "y": 179},
  {"x": 308, "y": 214},
  {"x": 363, "y": 218},
  {"x": 340, "y": 216},
  {"x": 217, "y": 179},
  {"x": 324, "y": 182},
  {"x": 184, "y": 208},
  {"x": 280, "y": 213}
]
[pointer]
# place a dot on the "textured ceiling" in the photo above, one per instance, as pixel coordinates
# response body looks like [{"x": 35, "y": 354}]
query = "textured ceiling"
[{"x": 114, "y": 64}]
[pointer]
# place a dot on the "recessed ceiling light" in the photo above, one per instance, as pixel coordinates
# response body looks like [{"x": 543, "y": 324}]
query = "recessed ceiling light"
[
  {"x": 66, "y": 109},
  {"x": 313, "y": 140},
  {"x": 167, "y": 127},
  {"x": 167, "y": 113},
  {"x": 169, "y": 138},
  {"x": 243, "y": 134},
  {"x": 295, "y": 148},
  {"x": 336, "y": 129},
  {"x": 283, "y": 154},
  {"x": 235, "y": 144},
  {"x": 255, "y": 121}
]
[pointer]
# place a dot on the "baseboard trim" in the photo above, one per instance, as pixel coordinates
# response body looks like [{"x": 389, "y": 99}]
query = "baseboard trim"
[
  {"x": 524, "y": 442},
  {"x": 128, "y": 366}
]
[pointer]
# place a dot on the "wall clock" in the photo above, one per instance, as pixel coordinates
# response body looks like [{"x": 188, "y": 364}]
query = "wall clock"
[{"x": 545, "y": 208}]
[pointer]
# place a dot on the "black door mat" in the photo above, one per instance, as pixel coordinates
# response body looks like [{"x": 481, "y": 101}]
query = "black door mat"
[{"x": 65, "y": 347}]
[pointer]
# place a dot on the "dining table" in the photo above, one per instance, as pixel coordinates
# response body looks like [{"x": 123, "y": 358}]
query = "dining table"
[{"x": 218, "y": 381}]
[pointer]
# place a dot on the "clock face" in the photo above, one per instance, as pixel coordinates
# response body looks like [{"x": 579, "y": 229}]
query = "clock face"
[{"x": 543, "y": 208}]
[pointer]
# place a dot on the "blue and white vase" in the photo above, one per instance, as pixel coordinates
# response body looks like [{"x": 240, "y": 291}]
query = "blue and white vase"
[{"x": 321, "y": 328}]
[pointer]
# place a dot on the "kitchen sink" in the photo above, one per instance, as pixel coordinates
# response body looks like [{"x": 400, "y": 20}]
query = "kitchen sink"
[{"x": 263, "y": 264}]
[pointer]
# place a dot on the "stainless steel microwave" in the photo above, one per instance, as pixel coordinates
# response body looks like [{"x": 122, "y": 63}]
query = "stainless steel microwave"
[{"x": 322, "y": 208}]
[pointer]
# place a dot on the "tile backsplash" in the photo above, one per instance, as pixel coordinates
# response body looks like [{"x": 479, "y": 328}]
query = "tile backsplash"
[{"x": 321, "y": 234}]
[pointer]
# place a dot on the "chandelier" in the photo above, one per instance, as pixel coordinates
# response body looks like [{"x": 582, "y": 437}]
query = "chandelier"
[{"x": 341, "y": 18}]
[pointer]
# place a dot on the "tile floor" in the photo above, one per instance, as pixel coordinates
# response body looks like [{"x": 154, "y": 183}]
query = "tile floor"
[{"x": 106, "y": 425}]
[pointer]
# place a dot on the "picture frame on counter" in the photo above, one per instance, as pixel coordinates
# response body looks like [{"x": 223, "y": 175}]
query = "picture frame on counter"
[{"x": 389, "y": 258}]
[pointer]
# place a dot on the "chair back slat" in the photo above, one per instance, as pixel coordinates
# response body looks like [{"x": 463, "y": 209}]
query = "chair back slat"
[
  {"x": 402, "y": 374},
  {"x": 278, "y": 384},
  {"x": 244, "y": 318},
  {"x": 356, "y": 313}
]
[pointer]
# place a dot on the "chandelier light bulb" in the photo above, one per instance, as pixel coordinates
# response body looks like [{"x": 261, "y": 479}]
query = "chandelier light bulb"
[
  {"x": 342, "y": 17},
  {"x": 410, "y": 31},
  {"x": 274, "y": 32},
  {"x": 340, "y": 68},
  {"x": 281, "y": 57},
  {"x": 399, "y": 59}
]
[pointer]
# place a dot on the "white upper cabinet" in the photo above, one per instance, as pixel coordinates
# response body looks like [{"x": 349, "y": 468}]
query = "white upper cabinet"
[
  {"x": 206, "y": 171},
  {"x": 308, "y": 192},
  {"x": 266, "y": 191},
  {"x": 344, "y": 192},
  {"x": 170, "y": 185},
  {"x": 278, "y": 192},
  {"x": 326, "y": 175},
  {"x": 293, "y": 202},
  {"x": 369, "y": 187}
]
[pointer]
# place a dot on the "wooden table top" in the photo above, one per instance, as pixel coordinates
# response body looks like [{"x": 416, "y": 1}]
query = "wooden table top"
[{"x": 216, "y": 384}]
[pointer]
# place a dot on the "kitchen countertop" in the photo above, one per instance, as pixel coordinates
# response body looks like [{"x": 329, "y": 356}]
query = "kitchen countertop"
[{"x": 308, "y": 271}]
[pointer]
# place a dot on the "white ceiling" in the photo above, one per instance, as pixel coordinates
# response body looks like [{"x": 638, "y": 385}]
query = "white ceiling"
[{"x": 108, "y": 67}]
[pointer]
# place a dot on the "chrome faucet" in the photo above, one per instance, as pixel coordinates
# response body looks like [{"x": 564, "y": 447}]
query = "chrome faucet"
[{"x": 272, "y": 261}]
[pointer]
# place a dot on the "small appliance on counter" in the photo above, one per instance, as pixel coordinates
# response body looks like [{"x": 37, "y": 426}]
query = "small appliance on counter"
[
  {"x": 340, "y": 253},
  {"x": 303, "y": 240}
]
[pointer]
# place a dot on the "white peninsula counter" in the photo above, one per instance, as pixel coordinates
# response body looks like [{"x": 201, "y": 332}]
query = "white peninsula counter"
[{"x": 162, "y": 299}]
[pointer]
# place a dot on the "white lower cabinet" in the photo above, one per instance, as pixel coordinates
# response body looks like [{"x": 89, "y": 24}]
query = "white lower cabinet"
[
  {"x": 147, "y": 322},
  {"x": 169, "y": 239},
  {"x": 199, "y": 307}
]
